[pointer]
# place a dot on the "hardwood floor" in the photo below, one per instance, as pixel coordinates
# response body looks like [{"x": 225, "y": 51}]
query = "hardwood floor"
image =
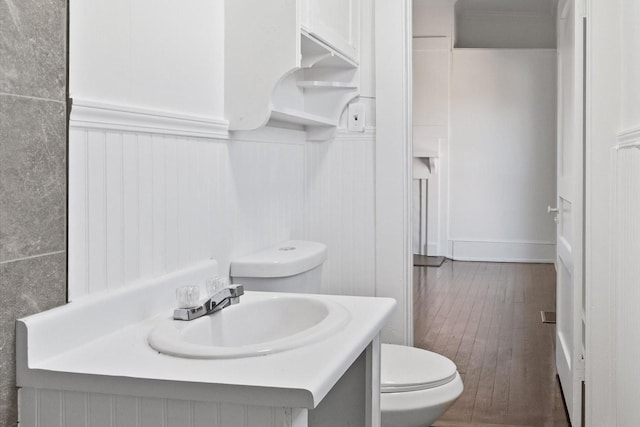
[{"x": 486, "y": 318}]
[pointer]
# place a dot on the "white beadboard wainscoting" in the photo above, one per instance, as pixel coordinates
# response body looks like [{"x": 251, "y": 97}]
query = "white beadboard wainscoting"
[
  {"x": 626, "y": 275},
  {"x": 148, "y": 201},
  {"x": 55, "y": 408},
  {"x": 340, "y": 205}
]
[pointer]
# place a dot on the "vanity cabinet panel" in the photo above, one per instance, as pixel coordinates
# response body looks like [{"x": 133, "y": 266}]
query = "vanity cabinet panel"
[
  {"x": 97, "y": 409},
  {"x": 353, "y": 400}
]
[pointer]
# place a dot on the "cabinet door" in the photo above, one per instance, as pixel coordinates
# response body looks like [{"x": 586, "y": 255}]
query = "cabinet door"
[{"x": 335, "y": 22}]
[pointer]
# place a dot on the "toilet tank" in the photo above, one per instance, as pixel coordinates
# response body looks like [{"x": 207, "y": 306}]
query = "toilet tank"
[{"x": 292, "y": 266}]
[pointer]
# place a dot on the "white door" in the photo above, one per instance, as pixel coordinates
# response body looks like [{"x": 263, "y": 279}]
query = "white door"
[{"x": 569, "y": 211}]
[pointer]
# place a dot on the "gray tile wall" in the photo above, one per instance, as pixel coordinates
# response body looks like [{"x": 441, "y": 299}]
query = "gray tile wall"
[{"x": 32, "y": 172}]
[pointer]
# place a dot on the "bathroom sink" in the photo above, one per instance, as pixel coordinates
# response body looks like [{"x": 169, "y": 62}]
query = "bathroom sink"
[{"x": 257, "y": 326}]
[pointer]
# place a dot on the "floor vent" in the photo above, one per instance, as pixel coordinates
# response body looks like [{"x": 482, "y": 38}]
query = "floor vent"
[{"x": 548, "y": 316}]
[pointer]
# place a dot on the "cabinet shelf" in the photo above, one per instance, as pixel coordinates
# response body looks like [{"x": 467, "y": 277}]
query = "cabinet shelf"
[
  {"x": 318, "y": 84},
  {"x": 432, "y": 154},
  {"x": 290, "y": 115},
  {"x": 317, "y": 54}
]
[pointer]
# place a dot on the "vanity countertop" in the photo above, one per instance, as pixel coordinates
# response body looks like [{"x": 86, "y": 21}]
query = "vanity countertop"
[{"x": 97, "y": 345}]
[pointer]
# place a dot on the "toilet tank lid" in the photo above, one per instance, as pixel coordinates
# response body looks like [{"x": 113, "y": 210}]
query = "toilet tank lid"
[{"x": 284, "y": 259}]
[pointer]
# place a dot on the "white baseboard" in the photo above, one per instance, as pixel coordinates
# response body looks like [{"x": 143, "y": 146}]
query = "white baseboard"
[
  {"x": 529, "y": 252},
  {"x": 432, "y": 249}
]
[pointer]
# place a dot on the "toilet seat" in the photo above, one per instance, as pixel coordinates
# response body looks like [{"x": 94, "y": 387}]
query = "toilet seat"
[{"x": 406, "y": 369}]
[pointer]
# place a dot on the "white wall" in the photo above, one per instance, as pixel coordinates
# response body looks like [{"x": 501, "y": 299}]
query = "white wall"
[
  {"x": 603, "y": 116},
  {"x": 630, "y": 65},
  {"x": 625, "y": 217},
  {"x": 152, "y": 54},
  {"x": 505, "y": 30},
  {"x": 433, "y": 18},
  {"x": 613, "y": 209},
  {"x": 156, "y": 181},
  {"x": 367, "y": 54},
  {"x": 433, "y": 31},
  {"x": 503, "y": 155},
  {"x": 431, "y": 111}
]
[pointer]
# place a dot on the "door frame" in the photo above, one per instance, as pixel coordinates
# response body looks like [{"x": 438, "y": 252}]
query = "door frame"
[
  {"x": 394, "y": 255},
  {"x": 604, "y": 59}
]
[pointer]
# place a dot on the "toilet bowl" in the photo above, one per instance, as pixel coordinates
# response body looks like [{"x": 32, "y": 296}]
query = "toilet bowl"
[{"x": 416, "y": 385}]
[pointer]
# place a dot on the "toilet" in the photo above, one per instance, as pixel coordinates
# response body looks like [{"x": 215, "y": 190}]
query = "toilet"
[{"x": 417, "y": 386}]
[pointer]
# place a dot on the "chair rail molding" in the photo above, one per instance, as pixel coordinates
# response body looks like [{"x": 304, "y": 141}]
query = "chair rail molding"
[
  {"x": 629, "y": 139},
  {"x": 345, "y": 134},
  {"x": 97, "y": 115}
]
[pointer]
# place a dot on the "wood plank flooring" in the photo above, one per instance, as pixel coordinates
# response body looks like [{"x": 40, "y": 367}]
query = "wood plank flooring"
[{"x": 486, "y": 318}]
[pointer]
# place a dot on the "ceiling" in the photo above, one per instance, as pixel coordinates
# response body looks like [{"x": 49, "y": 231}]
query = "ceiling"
[{"x": 525, "y": 7}]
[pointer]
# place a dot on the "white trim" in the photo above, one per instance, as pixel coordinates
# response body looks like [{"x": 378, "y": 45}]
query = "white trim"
[
  {"x": 507, "y": 260},
  {"x": 565, "y": 9},
  {"x": 394, "y": 254},
  {"x": 270, "y": 134},
  {"x": 508, "y": 241},
  {"x": 493, "y": 251},
  {"x": 344, "y": 134},
  {"x": 478, "y": 13},
  {"x": 505, "y": 49},
  {"x": 96, "y": 115},
  {"x": 629, "y": 139}
]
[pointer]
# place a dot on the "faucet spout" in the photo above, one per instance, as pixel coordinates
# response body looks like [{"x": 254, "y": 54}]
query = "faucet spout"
[{"x": 229, "y": 295}]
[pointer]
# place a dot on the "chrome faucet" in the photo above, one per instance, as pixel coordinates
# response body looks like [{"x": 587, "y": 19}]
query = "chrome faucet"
[{"x": 229, "y": 295}]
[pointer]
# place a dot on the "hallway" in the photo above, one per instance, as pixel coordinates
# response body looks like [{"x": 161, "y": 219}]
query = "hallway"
[{"x": 486, "y": 318}]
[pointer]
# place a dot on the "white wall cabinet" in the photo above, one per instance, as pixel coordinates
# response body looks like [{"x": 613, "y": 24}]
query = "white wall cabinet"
[
  {"x": 335, "y": 22},
  {"x": 308, "y": 55}
]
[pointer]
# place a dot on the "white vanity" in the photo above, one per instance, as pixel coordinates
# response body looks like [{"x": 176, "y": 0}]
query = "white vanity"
[{"x": 90, "y": 363}]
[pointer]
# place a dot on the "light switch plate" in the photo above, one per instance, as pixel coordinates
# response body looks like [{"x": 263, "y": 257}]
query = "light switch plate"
[{"x": 356, "y": 117}]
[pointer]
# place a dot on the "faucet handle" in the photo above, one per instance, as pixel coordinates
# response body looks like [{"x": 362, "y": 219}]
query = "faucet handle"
[
  {"x": 188, "y": 296},
  {"x": 236, "y": 290}
]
